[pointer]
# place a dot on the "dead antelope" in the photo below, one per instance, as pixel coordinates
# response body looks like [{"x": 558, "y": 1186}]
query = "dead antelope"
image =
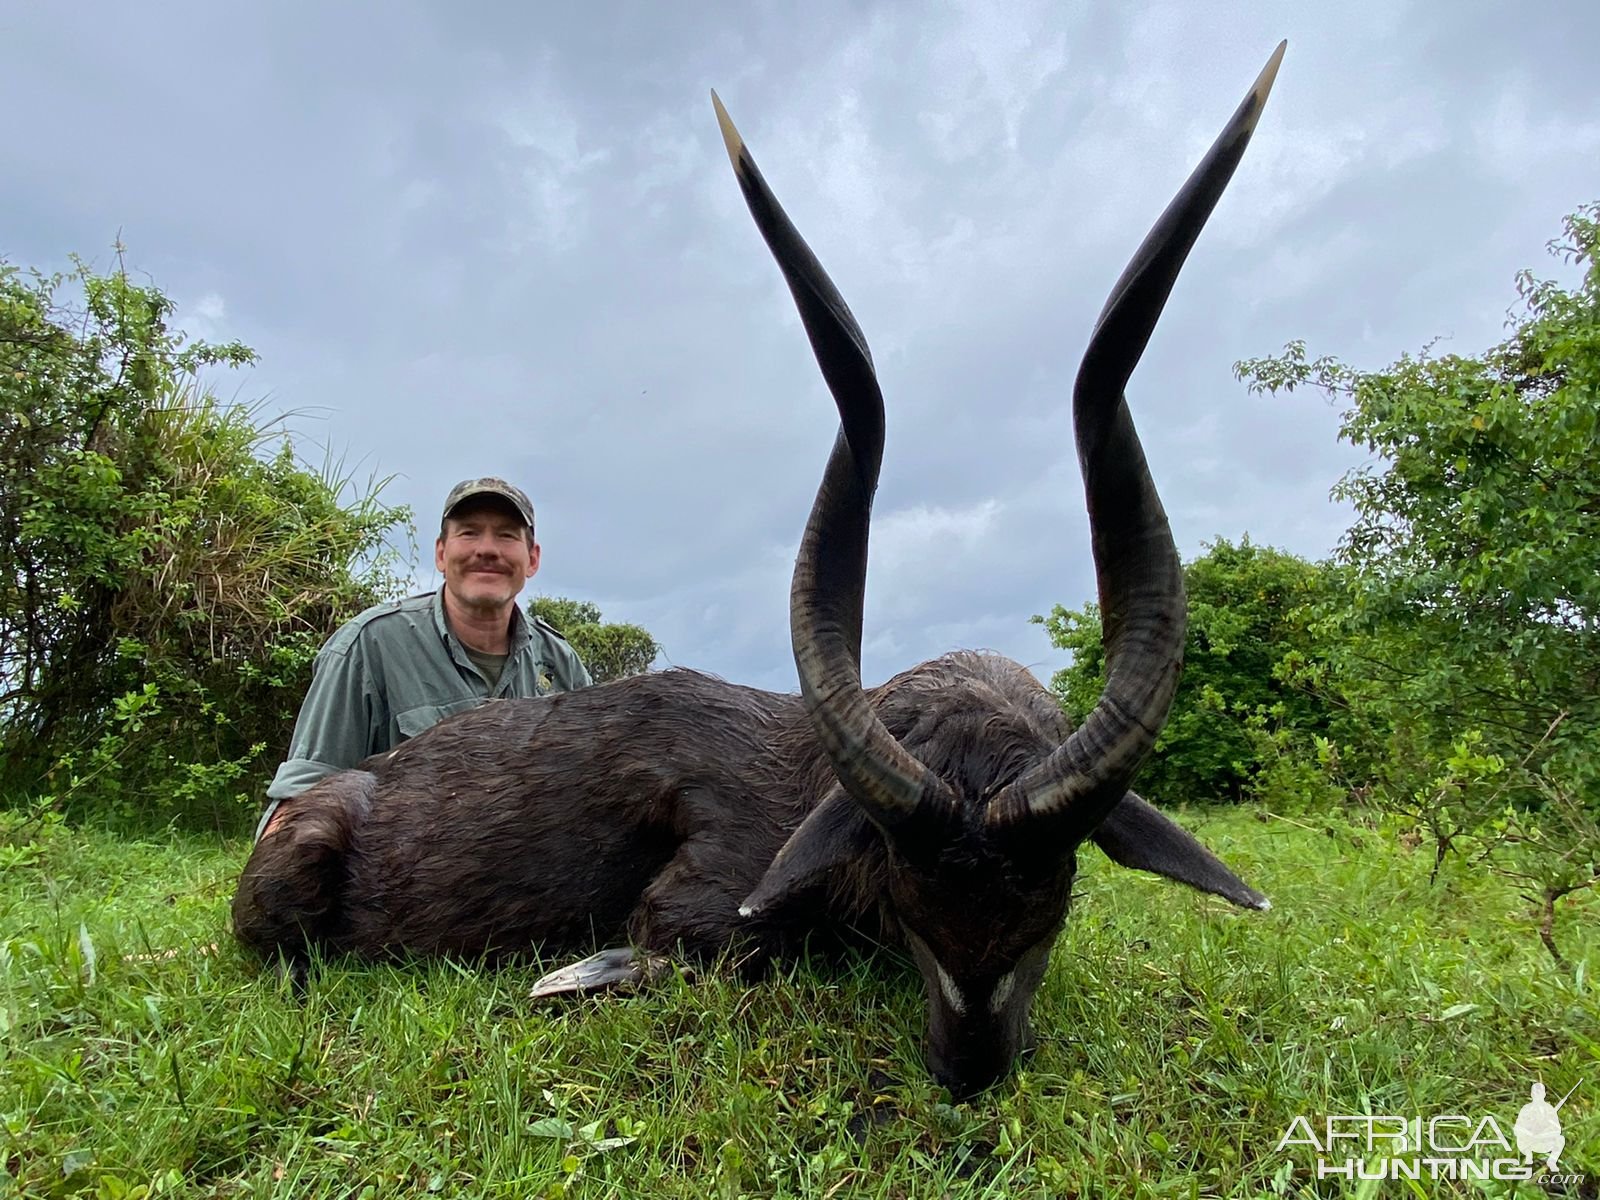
[{"x": 685, "y": 815}]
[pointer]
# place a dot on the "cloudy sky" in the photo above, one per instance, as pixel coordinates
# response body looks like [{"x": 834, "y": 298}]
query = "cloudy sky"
[{"x": 503, "y": 238}]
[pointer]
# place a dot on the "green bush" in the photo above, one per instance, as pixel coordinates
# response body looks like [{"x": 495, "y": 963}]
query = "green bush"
[
  {"x": 609, "y": 650},
  {"x": 1470, "y": 641},
  {"x": 1256, "y": 714},
  {"x": 167, "y": 568}
]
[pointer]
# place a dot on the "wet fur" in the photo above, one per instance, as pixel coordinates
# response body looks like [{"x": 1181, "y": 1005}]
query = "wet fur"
[{"x": 646, "y": 810}]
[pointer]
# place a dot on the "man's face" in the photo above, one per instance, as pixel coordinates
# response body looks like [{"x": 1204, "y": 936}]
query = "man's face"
[{"x": 484, "y": 555}]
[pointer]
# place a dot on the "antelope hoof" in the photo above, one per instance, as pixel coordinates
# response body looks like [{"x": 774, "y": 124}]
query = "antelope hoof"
[{"x": 622, "y": 967}]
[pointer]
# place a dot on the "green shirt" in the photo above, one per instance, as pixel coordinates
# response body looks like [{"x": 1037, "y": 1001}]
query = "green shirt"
[{"x": 397, "y": 669}]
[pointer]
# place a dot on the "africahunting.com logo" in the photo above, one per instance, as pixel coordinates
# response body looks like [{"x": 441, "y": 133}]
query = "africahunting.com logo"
[{"x": 1447, "y": 1146}]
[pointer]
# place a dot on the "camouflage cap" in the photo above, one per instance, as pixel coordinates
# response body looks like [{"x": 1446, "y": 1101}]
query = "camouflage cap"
[{"x": 490, "y": 486}]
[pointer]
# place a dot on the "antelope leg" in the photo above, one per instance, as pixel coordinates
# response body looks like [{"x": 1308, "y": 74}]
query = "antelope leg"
[{"x": 621, "y": 967}]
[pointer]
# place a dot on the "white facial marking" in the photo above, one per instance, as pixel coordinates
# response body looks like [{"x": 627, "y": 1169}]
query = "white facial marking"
[
  {"x": 952, "y": 994},
  {"x": 1002, "y": 992}
]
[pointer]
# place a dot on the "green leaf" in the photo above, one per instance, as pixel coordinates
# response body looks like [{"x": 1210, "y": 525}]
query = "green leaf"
[{"x": 551, "y": 1127}]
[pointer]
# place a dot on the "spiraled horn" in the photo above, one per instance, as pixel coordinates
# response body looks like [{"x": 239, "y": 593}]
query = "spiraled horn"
[
  {"x": 826, "y": 594},
  {"x": 1140, "y": 577}
]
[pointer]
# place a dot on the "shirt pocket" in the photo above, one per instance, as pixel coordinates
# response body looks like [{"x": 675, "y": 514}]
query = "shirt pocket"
[{"x": 414, "y": 720}]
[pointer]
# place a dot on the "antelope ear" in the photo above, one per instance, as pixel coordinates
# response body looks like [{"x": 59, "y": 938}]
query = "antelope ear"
[
  {"x": 837, "y": 831},
  {"x": 1137, "y": 835}
]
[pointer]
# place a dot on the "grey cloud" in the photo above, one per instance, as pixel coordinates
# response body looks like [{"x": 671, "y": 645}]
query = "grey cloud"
[{"x": 505, "y": 239}]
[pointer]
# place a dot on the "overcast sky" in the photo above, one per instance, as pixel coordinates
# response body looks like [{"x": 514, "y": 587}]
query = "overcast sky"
[{"x": 503, "y": 238}]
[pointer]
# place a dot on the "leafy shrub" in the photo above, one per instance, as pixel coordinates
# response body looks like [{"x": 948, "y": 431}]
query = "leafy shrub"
[
  {"x": 1255, "y": 713},
  {"x": 1471, "y": 636},
  {"x": 167, "y": 568},
  {"x": 609, "y": 650}
]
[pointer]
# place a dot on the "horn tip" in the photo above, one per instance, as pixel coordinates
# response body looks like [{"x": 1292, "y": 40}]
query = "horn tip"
[
  {"x": 730, "y": 135},
  {"x": 1269, "y": 73}
]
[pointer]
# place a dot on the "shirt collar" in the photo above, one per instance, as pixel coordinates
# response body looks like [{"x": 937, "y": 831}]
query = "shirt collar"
[{"x": 521, "y": 628}]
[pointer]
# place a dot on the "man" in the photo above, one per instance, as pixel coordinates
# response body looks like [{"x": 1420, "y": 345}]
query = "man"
[
  {"x": 1538, "y": 1128},
  {"x": 403, "y": 666}
]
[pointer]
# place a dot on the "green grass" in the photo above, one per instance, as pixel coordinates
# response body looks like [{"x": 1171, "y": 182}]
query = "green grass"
[{"x": 1178, "y": 1039}]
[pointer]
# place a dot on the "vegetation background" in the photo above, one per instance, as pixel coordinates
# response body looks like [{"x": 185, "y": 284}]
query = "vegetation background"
[
  {"x": 1396, "y": 744},
  {"x": 168, "y": 566}
]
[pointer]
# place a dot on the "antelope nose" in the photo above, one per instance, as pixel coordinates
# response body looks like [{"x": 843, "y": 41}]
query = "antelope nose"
[{"x": 966, "y": 1077}]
